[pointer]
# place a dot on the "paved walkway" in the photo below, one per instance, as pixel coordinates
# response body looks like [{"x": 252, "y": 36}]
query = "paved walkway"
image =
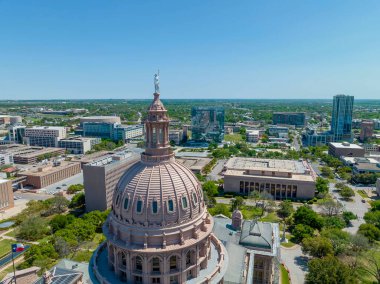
[{"x": 296, "y": 262}]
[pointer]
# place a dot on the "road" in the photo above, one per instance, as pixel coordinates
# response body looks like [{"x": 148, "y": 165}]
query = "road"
[
  {"x": 356, "y": 206},
  {"x": 296, "y": 262},
  {"x": 8, "y": 258},
  {"x": 217, "y": 169}
]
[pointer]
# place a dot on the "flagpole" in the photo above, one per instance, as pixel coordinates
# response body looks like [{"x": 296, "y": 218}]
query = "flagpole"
[{"x": 14, "y": 270}]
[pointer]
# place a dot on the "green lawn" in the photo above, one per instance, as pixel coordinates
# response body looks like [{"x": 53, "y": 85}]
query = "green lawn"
[
  {"x": 271, "y": 217},
  {"x": 11, "y": 234},
  {"x": 236, "y": 137},
  {"x": 284, "y": 275},
  {"x": 289, "y": 244},
  {"x": 5, "y": 247},
  {"x": 82, "y": 256},
  {"x": 362, "y": 193}
]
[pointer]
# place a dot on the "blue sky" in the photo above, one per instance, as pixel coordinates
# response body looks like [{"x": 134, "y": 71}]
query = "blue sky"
[{"x": 79, "y": 49}]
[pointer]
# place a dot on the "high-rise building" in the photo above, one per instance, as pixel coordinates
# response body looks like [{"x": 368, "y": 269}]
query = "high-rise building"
[
  {"x": 289, "y": 118},
  {"x": 341, "y": 118},
  {"x": 366, "y": 130},
  {"x": 44, "y": 136},
  {"x": 207, "y": 124}
]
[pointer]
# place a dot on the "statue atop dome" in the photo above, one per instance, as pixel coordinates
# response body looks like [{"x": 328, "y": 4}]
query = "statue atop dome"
[{"x": 157, "y": 82}]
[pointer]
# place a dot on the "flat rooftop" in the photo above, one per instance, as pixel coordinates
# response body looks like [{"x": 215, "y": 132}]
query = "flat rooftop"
[
  {"x": 48, "y": 169},
  {"x": 345, "y": 145},
  {"x": 295, "y": 167},
  {"x": 47, "y": 127},
  {"x": 194, "y": 163}
]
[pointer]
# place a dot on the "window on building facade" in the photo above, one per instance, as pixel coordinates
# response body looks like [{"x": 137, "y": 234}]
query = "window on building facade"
[
  {"x": 156, "y": 264},
  {"x": 138, "y": 263},
  {"x": 173, "y": 262}
]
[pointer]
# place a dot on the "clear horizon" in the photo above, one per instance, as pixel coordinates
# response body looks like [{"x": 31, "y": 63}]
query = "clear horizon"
[{"x": 204, "y": 49}]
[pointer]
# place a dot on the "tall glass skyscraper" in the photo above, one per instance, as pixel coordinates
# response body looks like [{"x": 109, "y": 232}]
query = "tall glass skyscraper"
[
  {"x": 341, "y": 120},
  {"x": 207, "y": 124}
]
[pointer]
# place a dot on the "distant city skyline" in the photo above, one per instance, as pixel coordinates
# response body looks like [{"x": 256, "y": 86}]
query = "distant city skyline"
[{"x": 204, "y": 49}]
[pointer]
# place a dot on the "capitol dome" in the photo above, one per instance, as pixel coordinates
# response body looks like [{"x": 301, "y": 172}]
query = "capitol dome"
[
  {"x": 165, "y": 194},
  {"x": 159, "y": 230}
]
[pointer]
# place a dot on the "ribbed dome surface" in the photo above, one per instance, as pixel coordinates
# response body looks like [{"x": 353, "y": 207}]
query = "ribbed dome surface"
[{"x": 158, "y": 195}]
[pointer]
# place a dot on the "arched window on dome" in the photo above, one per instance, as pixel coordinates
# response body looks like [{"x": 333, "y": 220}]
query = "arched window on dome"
[
  {"x": 117, "y": 200},
  {"x": 170, "y": 205},
  {"x": 139, "y": 206},
  {"x": 138, "y": 263},
  {"x": 184, "y": 202},
  {"x": 123, "y": 259},
  {"x": 126, "y": 203},
  {"x": 154, "y": 207},
  {"x": 188, "y": 259},
  {"x": 156, "y": 265}
]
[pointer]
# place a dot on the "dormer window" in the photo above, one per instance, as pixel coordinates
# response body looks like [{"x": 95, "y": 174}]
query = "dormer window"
[
  {"x": 154, "y": 206},
  {"x": 139, "y": 206},
  {"x": 184, "y": 202},
  {"x": 126, "y": 203},
  {"x": 170, "y": 205},
  {"x": 195, "y": 199}
]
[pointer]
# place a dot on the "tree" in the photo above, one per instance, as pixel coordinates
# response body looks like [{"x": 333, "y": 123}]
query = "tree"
[
  {"x": 347, "y": 192},
  {"x": 74, "y": 188},
  {"x": 210, "y": 188},
  {"x": 306, "y": 216},
  {"x": 220, "y": 208},
  {"x": 370, "y": 231},
  {"x": 327, "y": 172},
  {"x": 340, "y": 240},
  {"x": 32, "y": 229},
  {"x": 330, "y": 207},
  {"x": 373, "y": 217},
  {"x": 78, "y": 200},
  {"x": 334, "y": 222},
  {"x": 317, "y": 246},
  {"x": 375, "y": 205},
  {"x": 56, "y": 205},
  {"x": 286, "y": 209},
  {"x": 328, "y": 269},
  {"x": 348, "y": 216},
  {"x": 322, "y": 185},
  {"x": 237, "y": 202},
  {"x": 301, "y": 231},
  {"x": 43, "y": 255},
  {"x": 372, "y": 265},
  {"x": 60, "y": 221}
]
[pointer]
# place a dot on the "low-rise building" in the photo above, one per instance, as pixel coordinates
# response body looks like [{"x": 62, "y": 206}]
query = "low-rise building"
[
  {"x": 196, "y": 165},
  {"x": 101, "y": 176},
  {"x": 10, "y": 119},
  {"x": 78, "y": 144},
  {"x": 23, "y": 154},
  {"x": 110, "y": 130},
  {"x": 371, "y": 148},
  {"x": 338, "y": 149},
  {"x": 45, "y": 175},
  {"x": 175, "y": 136},
  {"x": 366, "y": 168},
  {"x": 378, "y": 186},
  {"x": 6, "y": 158},
  {"x": 107, "y": 119},
  {"x": 45, "y": 136},
  {"x": 253, "y": 250},
  {"x": 6, "y": 194},
  {"x": 253, "y": 136},
  {"x": 276, "y": 130},
  {"x": 283, "y": 179}
]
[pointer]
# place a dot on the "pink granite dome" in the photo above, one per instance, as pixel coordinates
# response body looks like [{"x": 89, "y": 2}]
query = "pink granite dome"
[{"x": 158, "y": 195}]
